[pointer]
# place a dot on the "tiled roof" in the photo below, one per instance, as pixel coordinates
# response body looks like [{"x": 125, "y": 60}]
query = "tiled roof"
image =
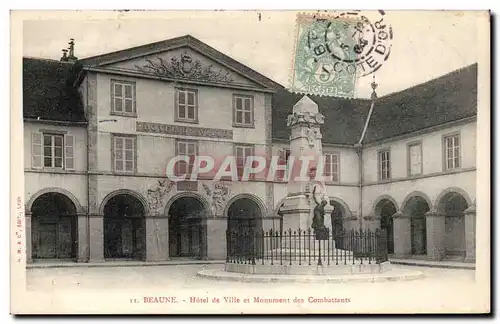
[
  {"x": 448, "y": 98},
  {"x": 48, "y": 93},
  {"x": 344, "y": 118},
  {"x": 445, "y": 99}
]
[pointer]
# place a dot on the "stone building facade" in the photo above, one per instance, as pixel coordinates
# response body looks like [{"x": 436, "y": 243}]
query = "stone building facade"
[{"x": 100, "y": 131}]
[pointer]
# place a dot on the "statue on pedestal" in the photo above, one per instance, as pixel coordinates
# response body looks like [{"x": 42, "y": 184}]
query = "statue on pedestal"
[{"x": 318, "y": 223}]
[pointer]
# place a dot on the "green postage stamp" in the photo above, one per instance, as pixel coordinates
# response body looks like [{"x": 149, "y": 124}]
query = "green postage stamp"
[{"x": 332, "y": 52}]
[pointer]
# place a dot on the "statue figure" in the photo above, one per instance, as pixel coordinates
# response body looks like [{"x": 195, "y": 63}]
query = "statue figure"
[{"x": 319, "y": 218}]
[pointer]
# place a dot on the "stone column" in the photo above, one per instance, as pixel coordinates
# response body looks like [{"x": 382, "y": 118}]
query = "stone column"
[
  {"x": 96, "y": 238},
  {"x": 82, "y": 221},
  {"x": 402, "y": 235},
  {"x": 157, "y": 238},
  {"x": 27, "y": 220},
  {"x": 435, "y": 233},
  {"x": 470, "y": 234},
  {"x": 216, "y": 238}
]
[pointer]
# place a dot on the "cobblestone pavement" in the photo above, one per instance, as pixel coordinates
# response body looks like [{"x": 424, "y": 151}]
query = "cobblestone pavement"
[{"x": 441, "y": 289}]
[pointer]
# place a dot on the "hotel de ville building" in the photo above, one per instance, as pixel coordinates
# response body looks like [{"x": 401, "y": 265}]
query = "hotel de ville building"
[{"x": 99, "y": 132}]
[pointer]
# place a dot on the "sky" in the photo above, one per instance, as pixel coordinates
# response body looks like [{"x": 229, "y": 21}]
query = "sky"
[{"x": 426, "y": 44}]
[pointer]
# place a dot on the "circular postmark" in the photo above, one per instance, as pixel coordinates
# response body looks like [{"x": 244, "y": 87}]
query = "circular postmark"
[{"x": 349, "y": 43}]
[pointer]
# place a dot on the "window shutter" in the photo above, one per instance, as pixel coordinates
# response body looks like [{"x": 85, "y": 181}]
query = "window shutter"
[
  {"x": 134, "y": 95},
  {"x": 112, "y": 95},
  {"x": 36, "y": 150},
  {"x": 69, "y": 152}
]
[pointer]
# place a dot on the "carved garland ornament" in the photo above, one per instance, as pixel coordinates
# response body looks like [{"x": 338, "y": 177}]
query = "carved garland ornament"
[
  {"x": 219, "y": 195},
  {"x": 306, "y": 118},
  {"x": 185, "y": 68}
]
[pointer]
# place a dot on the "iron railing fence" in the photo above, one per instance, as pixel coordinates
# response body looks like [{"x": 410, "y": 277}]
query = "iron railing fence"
[{"x": 301, "y": 247}]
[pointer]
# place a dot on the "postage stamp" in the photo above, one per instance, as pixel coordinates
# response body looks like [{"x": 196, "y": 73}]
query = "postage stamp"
[{"x": 333, "y": 51}]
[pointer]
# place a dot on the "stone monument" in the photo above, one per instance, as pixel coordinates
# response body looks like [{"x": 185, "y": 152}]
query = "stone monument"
[{"x": 303, "y": 197}]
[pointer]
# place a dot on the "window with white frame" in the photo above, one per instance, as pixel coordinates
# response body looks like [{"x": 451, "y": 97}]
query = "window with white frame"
[
  {"x": 124, "y": 153},
  {"x": 452, "y": 152},
  {"x": 243, "y": 110},
  {"x": 284, "y": 156},
  {"x": 186, "y": 105},
  {"x": 384, "y": 158},
  {"x": 332, "y": 166},
  {"x": 415, "y": 158},
  {"x": 52, "y": 150},
  {"x": 123, "y": 97},
  {"x": 189, "y": 149},
  {"x": 242, "y": 152}
]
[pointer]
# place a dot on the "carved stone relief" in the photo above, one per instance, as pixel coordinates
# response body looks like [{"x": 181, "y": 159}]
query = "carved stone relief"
[
  {"x": 156, "y": 195},
  {"x": 147, "y": 127},
  {"x": 218, "y": 194},
  {"x": 185, "y": 68}
]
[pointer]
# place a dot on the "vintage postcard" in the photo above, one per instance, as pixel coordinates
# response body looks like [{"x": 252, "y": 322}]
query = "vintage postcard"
[{"x": 242, "y": 162}]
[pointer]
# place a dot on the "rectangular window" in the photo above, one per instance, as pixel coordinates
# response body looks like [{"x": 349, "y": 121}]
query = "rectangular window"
[
  {"x": 186, "y": 148},
  {"x": 284, "y": 156},
  {"x": 452, "y": 152},
  {"x": 331, "y": 168},
  {"x": 52, "y": 150},
  {"x": 187, "y": 105},
  {"x": 123, "y": 98},
  {"x": 415, "y": 159},
  {"x": 384, "y": 158},
  {"x": 242, "y": 152},
  {"x": 243, "y": 110},
  {"x": 124, "y": 152}
]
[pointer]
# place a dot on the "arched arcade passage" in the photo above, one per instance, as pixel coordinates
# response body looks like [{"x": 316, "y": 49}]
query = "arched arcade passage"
[
  {"x": 187, "y": 228},
  {"x": 452, "y": 206},
  {"x": 124, "y": 228},
  {"x": 384, "y": 210},
  {"x": 415, "y": 208},
  {"x": 53, "y": 227},
  {"x": 243, "y": 215}
]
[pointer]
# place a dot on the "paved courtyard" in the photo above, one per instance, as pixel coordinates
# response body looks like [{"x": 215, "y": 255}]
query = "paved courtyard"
[{"x": 440, "y": 290}]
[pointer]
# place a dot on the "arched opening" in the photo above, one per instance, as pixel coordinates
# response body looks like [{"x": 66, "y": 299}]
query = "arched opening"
[
  {"x": 54, "y": 227},
  {"x": 124, "y": 228},
  {"x": 384, "y": 210},
  {"x": 337, "y": 219},
  {"x": 244, "y": 215},
  {"x": 452, "y": 206},
  {"x": 416, "y": 207},
  {"x": 187, "y": 228}
]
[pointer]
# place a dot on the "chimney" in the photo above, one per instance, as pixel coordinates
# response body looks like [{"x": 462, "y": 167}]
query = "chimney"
[
  {"x": 64, "y": 58},
  {"x": 71, "y": 56}
]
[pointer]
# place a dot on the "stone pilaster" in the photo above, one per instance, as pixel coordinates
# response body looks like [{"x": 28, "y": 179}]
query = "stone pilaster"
[
  {"x": 29, "y": 246},
  {"x": 436, "y": 233},
  {"x": 95, "y": 219},
  {"x": 157, "y": 238},
  {"x": 470, "y": 234},
  {"x": 216, "y": 238},
  {"x": 402, "y": 235},
  {"x": 82, "y": 221},
  {"x": 96, "y": 238},
  {"x": 269, "y": 149}
]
